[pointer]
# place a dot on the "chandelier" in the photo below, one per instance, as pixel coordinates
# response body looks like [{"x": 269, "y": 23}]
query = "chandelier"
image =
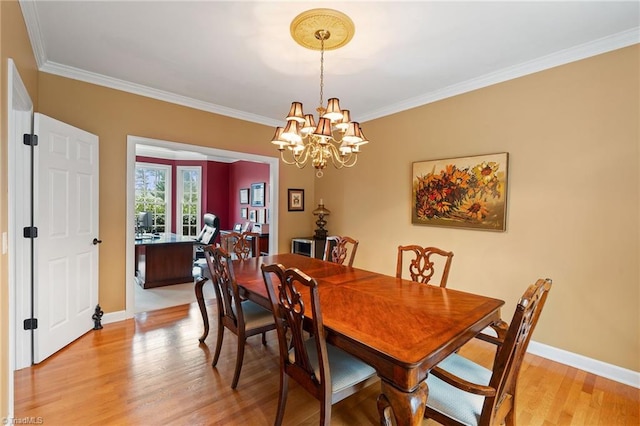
[{"x": 335, "y": 138}]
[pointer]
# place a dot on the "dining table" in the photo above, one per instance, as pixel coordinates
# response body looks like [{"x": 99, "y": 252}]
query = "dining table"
[{"x": 401, "y": 328}]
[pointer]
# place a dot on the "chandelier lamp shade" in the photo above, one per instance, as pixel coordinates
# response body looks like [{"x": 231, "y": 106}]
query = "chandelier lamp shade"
[{"x": 334, "y": 138}]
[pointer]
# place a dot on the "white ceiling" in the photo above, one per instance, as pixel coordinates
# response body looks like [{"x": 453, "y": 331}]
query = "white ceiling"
[{"x": 238, "y": 58}]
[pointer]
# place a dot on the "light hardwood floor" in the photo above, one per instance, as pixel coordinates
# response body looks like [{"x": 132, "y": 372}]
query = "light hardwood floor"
[{"x": 151, "y": 370}]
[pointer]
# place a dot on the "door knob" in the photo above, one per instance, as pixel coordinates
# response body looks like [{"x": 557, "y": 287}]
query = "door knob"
[{"x": 96, "y": 241}]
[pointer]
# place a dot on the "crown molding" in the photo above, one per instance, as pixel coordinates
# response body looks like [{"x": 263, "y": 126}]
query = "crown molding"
[
  {"x": 32, "y": 22},
  {"x": 138, "y": 89},
  {"x": 583, "y": 51}
]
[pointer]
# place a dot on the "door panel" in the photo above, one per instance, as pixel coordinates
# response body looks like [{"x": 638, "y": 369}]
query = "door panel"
[{"x": 66, "y": 211}]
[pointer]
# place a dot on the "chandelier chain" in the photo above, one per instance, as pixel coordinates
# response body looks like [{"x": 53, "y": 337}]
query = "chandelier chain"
[{"x": 321, "y": 71}]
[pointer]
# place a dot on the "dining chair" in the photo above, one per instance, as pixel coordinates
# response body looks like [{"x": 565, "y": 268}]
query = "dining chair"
[
  {"x": 422, "y": 267},
  {"x": 243, "y": 318},
  {"x": 326, "y": 372},
  {"x": 241, "y": 245},
  {"x": 338, "y": 248},
  {"x": 463, "y": 392}
]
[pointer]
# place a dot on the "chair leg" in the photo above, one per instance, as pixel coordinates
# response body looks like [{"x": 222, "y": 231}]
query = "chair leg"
[
  {"x": 203, "y": 308},
  {"x": 239, "y": 359},
  {"x": 218, "y": 342},
  {"x": 325, "y": 411},
  {"x": 282, "y": 397},
  {"x": 264, "y": 338}
]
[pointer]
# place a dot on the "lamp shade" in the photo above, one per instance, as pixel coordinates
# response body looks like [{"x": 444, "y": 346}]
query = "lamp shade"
[
  {"x": 309, "y": 124},
  {"x": 343, "y": 124},
  {"x": 353, "y": 135},
  {"x": 323, "y": 129},
  {"x": 322, "y": 210},
  {"x": 333, "y": 113},
  {"x": 291, "y": 132},
  {"x": 295, "y": 113},
  {"x": 277, "y": 138},
  {"x": 364, "y": 138}
]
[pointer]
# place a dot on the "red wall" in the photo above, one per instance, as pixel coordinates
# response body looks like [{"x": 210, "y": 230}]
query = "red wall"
[
  {"x": 241, "y": 175},
  {"x": 221, "y": 184}
]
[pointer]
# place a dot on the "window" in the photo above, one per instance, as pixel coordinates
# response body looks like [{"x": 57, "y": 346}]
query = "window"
[
  {"x": 189, "y": 200},
  {"x": 153, "y": 194}
]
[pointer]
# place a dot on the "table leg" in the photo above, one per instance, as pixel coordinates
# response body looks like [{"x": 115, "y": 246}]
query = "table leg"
[
  {"x": 406, "y": 407},
  {"x": 203, "y": 308}
]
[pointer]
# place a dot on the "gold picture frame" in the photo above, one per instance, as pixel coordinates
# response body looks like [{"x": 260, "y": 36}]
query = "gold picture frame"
[{"x": 465, "y": 192}]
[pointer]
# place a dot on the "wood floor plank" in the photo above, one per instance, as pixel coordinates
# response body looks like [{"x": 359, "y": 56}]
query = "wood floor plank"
[{"x": 151, "y": 370}]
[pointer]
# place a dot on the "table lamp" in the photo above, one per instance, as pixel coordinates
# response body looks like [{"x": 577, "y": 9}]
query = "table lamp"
[{"x": 321, "y": 212}]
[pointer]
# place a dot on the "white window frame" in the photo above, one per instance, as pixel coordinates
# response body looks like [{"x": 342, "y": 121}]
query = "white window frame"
[
  {"x": 169, "y": 185},
  {"x": 179, "y": 197}
]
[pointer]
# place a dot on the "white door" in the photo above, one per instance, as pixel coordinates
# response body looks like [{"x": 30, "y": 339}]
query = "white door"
[{"x": 66, "y": 216}]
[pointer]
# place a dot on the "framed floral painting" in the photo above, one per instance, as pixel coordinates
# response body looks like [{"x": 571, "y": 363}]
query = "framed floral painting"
[{"x": 466, "y": 192}]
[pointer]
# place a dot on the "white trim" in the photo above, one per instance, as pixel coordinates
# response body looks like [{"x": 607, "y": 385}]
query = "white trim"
[
  {"x": 139, "y": 89},
  {"x": 31, "y": 20},
  {"x": 609, "y": 371},
  {"x": 180, "y": 196},
  {"x": 19, "y": 121},
  {"x": 112, "y": 317}
]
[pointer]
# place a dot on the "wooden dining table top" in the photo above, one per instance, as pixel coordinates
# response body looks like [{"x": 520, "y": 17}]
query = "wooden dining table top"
[{"x": 400, "y": 327}]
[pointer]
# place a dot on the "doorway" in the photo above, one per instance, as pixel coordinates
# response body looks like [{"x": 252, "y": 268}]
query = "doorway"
[{"x": 213, "y": 154}]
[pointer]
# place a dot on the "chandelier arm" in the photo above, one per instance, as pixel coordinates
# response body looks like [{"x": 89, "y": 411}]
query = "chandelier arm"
[
  {"x": 336, "y": 158},
  {"x": 284, "y": 160},
  {"x": 355, "y": 160}
]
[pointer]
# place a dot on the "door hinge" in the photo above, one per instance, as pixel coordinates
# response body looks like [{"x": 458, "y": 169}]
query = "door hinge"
[
  {"x": 31, "y": 323},
  {"x": 30, "y": 140},
  {"x": 30, "y": 232}
]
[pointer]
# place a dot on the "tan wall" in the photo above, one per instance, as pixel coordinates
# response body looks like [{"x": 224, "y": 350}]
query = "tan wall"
[
  {"x": 112, "y": 115},
  {"x": 572, "y": 134},
  {"x": 14, "y": 44}
]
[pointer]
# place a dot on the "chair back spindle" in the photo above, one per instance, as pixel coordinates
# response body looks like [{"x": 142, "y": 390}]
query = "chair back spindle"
[
  {"x": 338, "y": 248},
  {"x": 421, "y": 265}
]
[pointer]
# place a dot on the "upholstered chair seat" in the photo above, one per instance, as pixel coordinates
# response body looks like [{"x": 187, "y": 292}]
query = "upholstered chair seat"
[{"x": 455, "y": 403}]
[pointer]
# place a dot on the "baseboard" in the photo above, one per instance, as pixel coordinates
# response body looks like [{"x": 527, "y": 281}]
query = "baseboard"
[
  {"x": 610, "y": 371},
  {"x": 110, "y": 317}
]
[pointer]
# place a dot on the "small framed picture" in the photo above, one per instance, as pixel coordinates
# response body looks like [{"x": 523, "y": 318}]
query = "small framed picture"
[
  {"x": 252, "y": 216},
  {"x": 244, "y": 213},
  {"x": 244, "y": 196},
  {"x": 257, "y": 194},
  {"x": 296, "y": 200},
  {"x": 261, "y": 216},
  {"x": 237, "y": 227}
]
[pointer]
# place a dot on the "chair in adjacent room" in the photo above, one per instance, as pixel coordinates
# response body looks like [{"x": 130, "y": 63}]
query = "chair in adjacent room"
[
  {"x": 421, "y": 266},
  {"x": 337, "y": 249},
  {"x": 326, "y": 372},
  {"x": 241, "y": 245},
  {"x": 463, "y": 392},
  {"x": 208, "y": 234},
  {"x": 243, "y": 318}
]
